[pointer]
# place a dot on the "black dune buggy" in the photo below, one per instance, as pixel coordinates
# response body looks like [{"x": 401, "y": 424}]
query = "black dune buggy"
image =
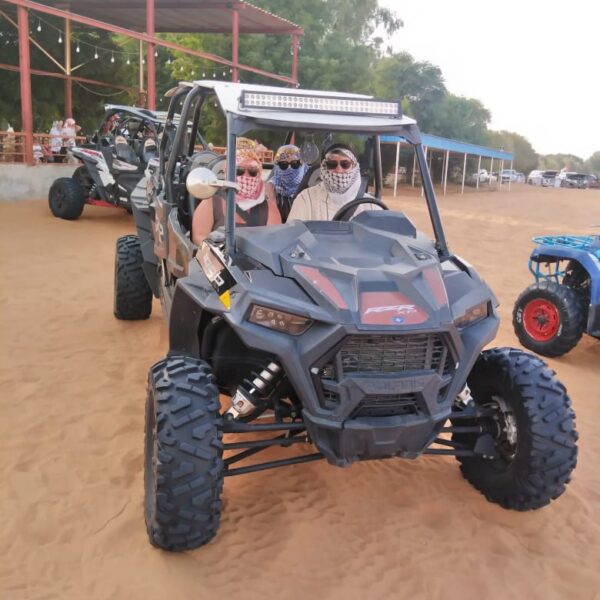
[
  {"x": 113, "y": 162},
  {"x": 361, "y": 339}
]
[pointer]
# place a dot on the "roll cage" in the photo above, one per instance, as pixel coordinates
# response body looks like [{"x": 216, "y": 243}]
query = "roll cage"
[{"x": 178, "y": 142}]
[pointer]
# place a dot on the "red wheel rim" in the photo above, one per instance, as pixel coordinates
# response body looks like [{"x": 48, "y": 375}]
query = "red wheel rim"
[{"x": 541, "y": 320}]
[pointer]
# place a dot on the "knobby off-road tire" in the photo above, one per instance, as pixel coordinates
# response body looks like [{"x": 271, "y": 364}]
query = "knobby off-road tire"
[
  {"x": 84, "y": 179},
  {"x": 66, "y": 199},
  {"x": 183, "y": 476},
  {"x": 534, "y": 468},
  {"x": 133, "y": 295},
  {"x": 549, "y": 318}
]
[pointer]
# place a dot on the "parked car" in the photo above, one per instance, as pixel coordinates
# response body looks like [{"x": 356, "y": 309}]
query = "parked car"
[
  {"x": 520, "y": 177},
  {"x": 573, "y": 180},
  {"x": 549, "y": 178},
  {"x": 484, "y": 177},
  {"x": 535, "y": 178},
  {"x": 593, "y": 181},
  {"x": 509, "y": 175}
]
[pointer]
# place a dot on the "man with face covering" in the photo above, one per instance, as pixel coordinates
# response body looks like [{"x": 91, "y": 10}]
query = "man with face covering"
[
  {"x": 252, "y": 207},
  {"x": 288, "y": 171},
  {"x": 340, "y": 183}
]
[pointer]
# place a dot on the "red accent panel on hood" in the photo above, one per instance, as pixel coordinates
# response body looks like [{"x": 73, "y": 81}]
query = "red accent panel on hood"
[
  {"x": 390, "y": 308},
  {"x": 436, "y": 285},
  {"x": 324, "y": 285}
]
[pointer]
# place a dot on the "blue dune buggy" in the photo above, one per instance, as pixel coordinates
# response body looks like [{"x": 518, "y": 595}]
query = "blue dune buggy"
[{"x": 551, "y": 315}]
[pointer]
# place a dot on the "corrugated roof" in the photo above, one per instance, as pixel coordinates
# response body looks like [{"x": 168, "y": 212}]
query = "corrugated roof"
[
  {"x": 440, "y": 143},
  {"x": 181, "y": 16}
]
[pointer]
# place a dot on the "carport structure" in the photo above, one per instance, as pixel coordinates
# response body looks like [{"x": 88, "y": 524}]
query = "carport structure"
[
  {"x": 142, "y": 20},
  {"x": 434, "y": 143}
]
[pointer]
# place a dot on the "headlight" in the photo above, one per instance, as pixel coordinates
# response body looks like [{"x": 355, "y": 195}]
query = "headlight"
[
  {"x": 278, "y": 320},
  {"x": 472, "y": 315}
]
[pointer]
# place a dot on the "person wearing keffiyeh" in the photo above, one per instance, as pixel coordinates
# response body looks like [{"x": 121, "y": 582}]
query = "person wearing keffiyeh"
[
  {"x": 288, "y": 172},
  {"x": 340, "y": 183},
  {"x": 253, "y": 206}
]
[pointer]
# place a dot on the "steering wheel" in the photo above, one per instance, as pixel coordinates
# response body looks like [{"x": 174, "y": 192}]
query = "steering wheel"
[{"x": 347, "y": 211}]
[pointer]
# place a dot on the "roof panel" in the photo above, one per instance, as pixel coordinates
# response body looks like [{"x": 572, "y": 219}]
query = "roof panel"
[
  {"x": 181, "y": 16},
  {"x": 440, "y": 143}
]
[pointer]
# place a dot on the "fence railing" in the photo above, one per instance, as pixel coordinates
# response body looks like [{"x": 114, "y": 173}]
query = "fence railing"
[{"x": 13, "y": 146}]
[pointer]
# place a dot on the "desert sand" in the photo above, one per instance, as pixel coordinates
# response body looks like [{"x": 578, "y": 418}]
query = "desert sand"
[{"x": 71, "y": 430}]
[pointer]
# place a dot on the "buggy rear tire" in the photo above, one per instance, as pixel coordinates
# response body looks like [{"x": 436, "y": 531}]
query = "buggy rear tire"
[
  {"x": 533, "y": 428},
  {"x": 66, "y": 199},
  {"x": 133, "y": 295},
  {"x": 183, "y": 465},
  {"x": 549, "y": 318}
]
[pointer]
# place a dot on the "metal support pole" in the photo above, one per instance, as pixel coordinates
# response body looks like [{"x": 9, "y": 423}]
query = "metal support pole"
[
  {"x": 491, "y": 169},
  {"x": 235, "y": 43},
  {"x": 446, "y": 170},
  {"x": 478, "y": 169},
  {"x": 25, "y": 76},
  {"x": 510, "y": 179},
  {"x": 141, "y": 93},
  {"x": 500, "y": 172},
  {"x": 150, "y": 26},
  {"x": 295, "y": 58},
  {"x": 396, "y": 171},
  {"x": 68, "y": 80},
  {"x": 414, "y": 168},
  {"x": 462, "y": 190}
]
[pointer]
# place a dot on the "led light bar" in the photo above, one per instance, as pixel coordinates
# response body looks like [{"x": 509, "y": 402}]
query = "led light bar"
[{"x": 321, "y": 104}]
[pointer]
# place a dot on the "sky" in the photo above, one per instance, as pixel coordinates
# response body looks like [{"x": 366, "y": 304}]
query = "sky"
[{"x": 535, "y": 65}]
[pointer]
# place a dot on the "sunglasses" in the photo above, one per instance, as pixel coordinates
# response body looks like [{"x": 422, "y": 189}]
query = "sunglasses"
[
  {"x": 283, "y": 165},
  {"x": 252, "y": 171},
  {"x": 333, "y": 164}
]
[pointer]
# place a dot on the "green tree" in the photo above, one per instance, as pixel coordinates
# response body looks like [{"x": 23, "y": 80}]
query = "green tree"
[
  {"x": 462, "y": 119},
  {"x": 526, "y": 158},
  {"x": 420, "y": 84},
  {"x": 562, "y": 161},
  {"x": 592, "y": 164}
]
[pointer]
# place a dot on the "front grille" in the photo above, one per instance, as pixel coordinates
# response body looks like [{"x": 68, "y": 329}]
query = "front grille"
[
  {"x": 395, "y": 354},
  {"x": 380, "y": 405},
  {"x": 386, "y": 356}
]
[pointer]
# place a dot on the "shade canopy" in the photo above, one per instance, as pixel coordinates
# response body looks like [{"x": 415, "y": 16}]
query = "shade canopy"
[{"x": 181, "y": 16}]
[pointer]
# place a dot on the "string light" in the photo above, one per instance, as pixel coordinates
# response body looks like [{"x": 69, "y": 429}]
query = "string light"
[
  {"x": 96, "y": 54},
  {"x": 128, "y": 60},
  {"x": 112, "y": 58},
  {"x": 156, "y": 53},
  {"x": 60, "y": 38},
  {"x": 39, "y": 27},
  {"x": 203, "y": 74},
  {"x": 78, "y": 49}
]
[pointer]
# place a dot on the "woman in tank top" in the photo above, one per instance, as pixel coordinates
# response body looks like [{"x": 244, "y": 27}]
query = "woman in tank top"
[{"x": 254, "y": 204}]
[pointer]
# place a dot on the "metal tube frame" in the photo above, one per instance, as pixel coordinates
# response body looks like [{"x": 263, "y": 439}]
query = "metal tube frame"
[{"x": 434, "y": 215}]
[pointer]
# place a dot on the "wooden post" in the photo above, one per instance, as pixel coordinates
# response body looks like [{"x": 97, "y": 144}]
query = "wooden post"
[
  {"x": 25, "y": 77},
  {"x": 150, "y": 26},
  {"x": 462, "y": 191},
  {"x": 68, "y": 80},
  {"x": 295, "y": 58},
  {"x": 479, "y": 169},
  {"x": 235, "y": 43}
]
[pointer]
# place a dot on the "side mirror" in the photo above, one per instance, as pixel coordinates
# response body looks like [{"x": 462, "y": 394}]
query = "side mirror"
[{"x": 203, "y": 183}]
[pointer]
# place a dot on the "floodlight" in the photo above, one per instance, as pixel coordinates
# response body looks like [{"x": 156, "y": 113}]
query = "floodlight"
[{"x": 321, "y": 104}]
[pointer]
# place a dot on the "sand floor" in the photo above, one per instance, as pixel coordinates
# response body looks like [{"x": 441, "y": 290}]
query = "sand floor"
[{"x": 71, "y": 429}]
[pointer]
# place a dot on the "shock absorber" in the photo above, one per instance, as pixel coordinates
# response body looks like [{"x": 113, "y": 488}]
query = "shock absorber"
[{"x": 249, "y": 394}]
